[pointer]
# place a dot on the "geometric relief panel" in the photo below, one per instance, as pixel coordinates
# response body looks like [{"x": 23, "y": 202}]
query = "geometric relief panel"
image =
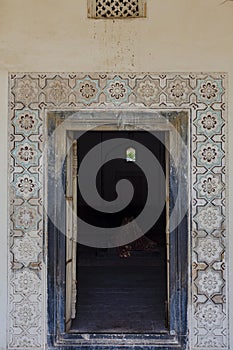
[{"x": 32, "y": 95}]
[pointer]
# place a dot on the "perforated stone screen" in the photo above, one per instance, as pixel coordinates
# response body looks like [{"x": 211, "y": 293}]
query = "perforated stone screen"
[{"x": 116, "y": 8}]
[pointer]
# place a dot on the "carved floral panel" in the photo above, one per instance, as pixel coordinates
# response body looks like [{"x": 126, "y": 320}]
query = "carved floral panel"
[{"x": 204, "y": 96}]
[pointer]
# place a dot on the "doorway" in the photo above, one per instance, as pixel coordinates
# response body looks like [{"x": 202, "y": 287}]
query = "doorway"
[
  {"x": 122, "y": 289},
  {"x": 85, "y": 282}
]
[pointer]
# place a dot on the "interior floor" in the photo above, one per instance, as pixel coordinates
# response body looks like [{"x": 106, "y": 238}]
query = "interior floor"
[{"x": 121, "y": 294}]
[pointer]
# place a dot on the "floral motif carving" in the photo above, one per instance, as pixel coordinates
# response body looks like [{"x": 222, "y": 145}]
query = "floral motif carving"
[
  {"x": 209, "y": 186},
  {"x": 178, "y": 90},
  {"x": 117, "y": 90},
  {"x": 209, "y": 282},
  {"x": 26, "y": 282},
  {"x": 26, "y": 154},
  {"x": 57, "y": 91},
  {"x": 26, "y": 250},
  {"x": 26, "y": 90},
  {"x": 25, "y": 314},
  {"x": 209, "y": 90},
  {"x": 148, "y": 91},
  {"x": 209, "y": 154},
  {"x": 88, "y": 90},
  {"x": 210, "y": 316},
  {"x": 26, "y": 185},
  {"x": 209, "y": 249},
  {"x": 209, "y": 122},
  {"x": 25, "y": 217},
  {"x": 209, "y": 218},
  {"x": 26, "y": 121}
]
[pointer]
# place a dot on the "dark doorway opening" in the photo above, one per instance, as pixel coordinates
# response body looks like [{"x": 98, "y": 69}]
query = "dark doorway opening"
[{"x": 124, "y": 289}]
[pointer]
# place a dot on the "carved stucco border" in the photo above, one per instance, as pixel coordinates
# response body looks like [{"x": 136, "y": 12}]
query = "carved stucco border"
[{"x": 204, "y": 95}]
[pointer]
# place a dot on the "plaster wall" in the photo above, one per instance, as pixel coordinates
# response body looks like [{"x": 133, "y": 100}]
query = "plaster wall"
[{"x": 52, "y": 36}]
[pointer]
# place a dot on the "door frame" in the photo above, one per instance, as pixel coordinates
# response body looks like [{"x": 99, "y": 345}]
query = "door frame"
[{"x": 61, "y": 126}]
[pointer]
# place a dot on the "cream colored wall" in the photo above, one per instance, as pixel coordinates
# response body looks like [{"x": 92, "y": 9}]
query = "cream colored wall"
[{"x": 55, "y": 35}]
